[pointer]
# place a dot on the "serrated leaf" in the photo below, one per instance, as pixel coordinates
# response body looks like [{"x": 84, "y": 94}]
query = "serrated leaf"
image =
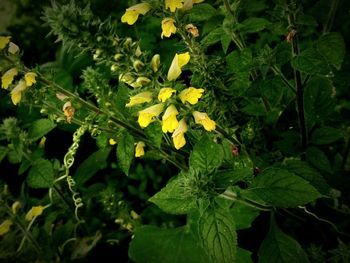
[
  {"x": 39, "y": 128},
  {"x": 278, "y": 247},
  {"x": 281, "y": 188},
  {"x": 332, "y": 48},
  {"x": 125, "y": 152},
  {"x": 121, "y": 99},
  {"x": 206, "y": 155},
  {"x": 213, "y": 37},
  {"x": 154, "y": 133},
  {"x": 240, "y": 61},
  {"x": 318, "y": 159},
  {"x": 311, "y": 62},
  {"x": 151, "y": 244},
  {"x": 326, "y": 135},
  {"x": 217, "y": 233},
  {"x": 254, "y": 24},
  {"x": 243, "y": 215},
  {"x": 202, "y": 12},
  {"x": 243, "y": 256},
  {"x": 173, "y": 198},
  {"x": 308, "y": 173},
  {"x": 41, "y": 174},
  {"x": 222, "y": 179},
  {"x": 91, "y": 165}
]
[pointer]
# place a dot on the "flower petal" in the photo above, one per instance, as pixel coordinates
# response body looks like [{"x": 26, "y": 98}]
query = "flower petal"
[
  {"x": 8, "y": 77},
  {"x": 191, "y": 95},
  {"x": 203, "y": 119}
]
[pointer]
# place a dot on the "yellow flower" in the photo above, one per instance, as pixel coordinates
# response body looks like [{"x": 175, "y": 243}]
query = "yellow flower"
[
  {"x": 189, "y": 4},
  {"x": 169, "y": 121},
  {"x": 132, "y": 13},
  {"x": 16, "y": 93},
  {"x": 179, "y": 135},
  {"x": 147, "y": 115},
  {"x": 139, "y": 149},
  {"x": 7, "y": 78},
  {"x": 13, "y": 48},
  {"x": 5, "y": 227},
  {"x": 165, "y": 93},
  {"x": 178, "y": 62},
  {"x": 4, "y": 41},
  {"x": 34, "y": 212},
  {"x": 168, "y": 27},
  {"x": 155, "y": 62},
  {"x": 140, "y": 98},
  {"x": 173, "y": 4},
  {"x": 190, "y": 95},
  {"x": 203, "y": 119},
  {"x": 111, "y": 141},
  {"x": 140, "y": 81},
  {"x": 30, "y": 78}
]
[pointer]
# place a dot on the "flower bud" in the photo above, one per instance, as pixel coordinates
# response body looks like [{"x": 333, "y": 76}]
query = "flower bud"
[
  {"x": 138, "y": 51},
  {"x": 155, "y": 62},
  {"x": 127, "y": 42},
  {"x": 114, "y": 67},
  {"x": 138, "y": 65},
  {"x": 118, "y": 56}
]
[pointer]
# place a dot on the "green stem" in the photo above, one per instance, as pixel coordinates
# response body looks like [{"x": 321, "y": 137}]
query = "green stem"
[
  {"x": 330, "y": 19},
  {"x": 278, "y": 72},
  {"x": 234, "y": 197}
]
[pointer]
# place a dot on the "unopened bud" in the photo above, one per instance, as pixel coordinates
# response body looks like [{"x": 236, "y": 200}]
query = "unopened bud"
[
  {"x": 138, "y": 51},
  {"x": 15, "y": 207},
  {"x": 155, "y": 62},
  {"x": 99, "y": 39},
  {"x": 127, "y": 42},
  {"x": 138, "y": 65},
  {"x": 127, "y": 78},
  {"x": 118, "y": 56},
  {"x": 98, "y": 51},
  {"x": 114, "y": 67},
  {"x": 95, "y": 57},
  {"x": 140, "y": 81},
  {"x": 13, "y": 48},
  {"x": 192, "y": 29}
]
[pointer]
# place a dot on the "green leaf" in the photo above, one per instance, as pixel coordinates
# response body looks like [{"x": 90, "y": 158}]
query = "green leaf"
[
  {"x": 206, "y": 155},
  {"x": 213, "y": 37},
  {"x": 311, "y": 62},
  {"x": 255, "y": 109},
  {"x": 39, "y": 128},
  {"x": 326, "y": 135},
  {"x": 173, "y": 198},
  {"x": 240, "y": 61},
  {"x": 91, "y": 165},
  {"x": 151, "y": 244},
  {"x": 281, "y": 188},
  {"x": 125, "y": 152},
  {"x": 3, "y": 151},
  {"x": 217, "y": 232},
  {"x": 308, "y": 173},
  {"x": 41, "y": 174},
  {"x": 254, "y": 24},
  {"x": 278, "y": 247},
  {"x": 225, "y": 178},
  {"x": 154, "y": 133},
  {"x": 243, "y": 215},
  {"x": 243, "y": 256},
  {"x": 121, "y": 99},
  {"x": 318, "y": 159},
  {"x": 332, "y": 48},
  {"x": 202, "y": 12},
  {"x": 225, "y": 42},
  {"x": 318, "y": 100}
]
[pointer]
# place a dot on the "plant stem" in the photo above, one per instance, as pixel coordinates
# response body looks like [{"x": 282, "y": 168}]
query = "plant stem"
[
  {"x": 299, "y": 89},
  {"x": 234, "y": 197},
  {"x": 278, "y": 72},
  {"x": 330, "y": 19}
]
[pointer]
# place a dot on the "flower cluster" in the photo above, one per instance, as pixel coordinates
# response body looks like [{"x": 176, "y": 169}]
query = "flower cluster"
[
  {"x": 8, "y": 77},
  {"x": 173, "y": 107},
  {"x": 168, "y": 24}
]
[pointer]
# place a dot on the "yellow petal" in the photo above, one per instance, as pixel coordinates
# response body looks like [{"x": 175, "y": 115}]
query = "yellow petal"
[
  {"x": 165, "y": 93},
  {"x": 179, "y": 135},
  {"x": 132, "y": 13},
  {"x": 168, "y": 27},
  {"x": 173, "y": 4},
  {"x": 178, "y": 62},
  {"x": 34, "y": 212},
  {"x": 147, "y": 115},
  {"x": 191, "y": 95},
  {"x": 188, "y": 4},
  {"x": 169, "y": 120},
  {"x": 140, "y": 98},
  {"x": 5, "y": 227},
  {"x": 4, "y": 41},
  {"x": 30, "y": 78},
  {"x": 13, "y": 48},
  {"x": 7, "y": 78},
  {"x": 111, "y": 141},
  {"x": 203, "y": 119},
  {"x": 16, "y": 93},
  {"x": 139, "y": 149}
]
